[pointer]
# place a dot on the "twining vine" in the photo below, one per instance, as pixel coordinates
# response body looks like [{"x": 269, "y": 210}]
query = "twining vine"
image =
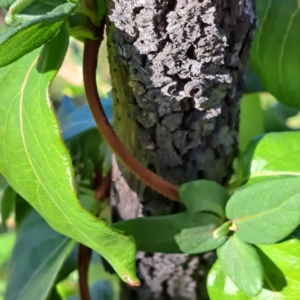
[{"x": 90, "y": 58}]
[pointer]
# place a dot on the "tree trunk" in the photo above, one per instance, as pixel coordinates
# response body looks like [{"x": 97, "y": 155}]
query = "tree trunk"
[{"x": 177, "y": 75}]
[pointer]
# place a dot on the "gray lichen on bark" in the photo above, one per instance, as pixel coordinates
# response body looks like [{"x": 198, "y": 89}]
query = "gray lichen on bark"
[{"x": 177, "y": 74}]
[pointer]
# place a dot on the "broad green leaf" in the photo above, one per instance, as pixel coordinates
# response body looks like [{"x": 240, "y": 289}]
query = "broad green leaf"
[
  {"x": 275, "y": 49},
  {"x": 7, "y": 204},
  {"x": 274, "y": 154},
  {"x": 281, "y": 275},
  {"x": 242, "y": 265},
  {"x": 199, "y": 239},
  {"x": 157, "y": 234},
  {"x": 37, "y": 257},
  {"x": 37, "y": 165},
  {"x": 204, "y": 195},
  {"x": 251, "y": 119},
  {"x": 267, "y": 211},
  {"x": 30, "y": 35},
  {"x": 7, "y": 241}
]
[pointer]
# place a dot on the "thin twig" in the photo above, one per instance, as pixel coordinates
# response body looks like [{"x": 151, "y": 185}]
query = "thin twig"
[{"x": 90, "y": 57}]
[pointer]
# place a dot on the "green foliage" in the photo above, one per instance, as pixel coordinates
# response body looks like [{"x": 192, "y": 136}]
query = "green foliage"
[
  {"x": 164, "y": 234},
  {"x": 274, "y": 54},
  {"x": 7, "y": 204},
  {"x": 36, "y": 260},
  {"x": 37, "y": 165},
  {"x": 250, "y": 110},
  {"x": 260, "y": 208},
  {"x": 30, "y": 35},
  {"x": 281, "y": 276},
  {"x": 204, "y": 195},
  {"x": 242, "y": 265}
]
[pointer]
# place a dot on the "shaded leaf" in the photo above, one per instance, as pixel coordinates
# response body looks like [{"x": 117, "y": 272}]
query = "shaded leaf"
[
  {"x": 38, "y": 8},
  {"x": 32, "y": 34},
  {"x": 75, "y": 121},
  {"x": 281, "y": 275},
  {"x": 37, "y": 165},
  {"x": 200, "y": 239},
  {"x": 267, "y": 211},
  {"x": 36, "y": 259},
  {"x": 7, "y": 204},
  {"x": 6, "y": 3},
  {"x": 204, "y": 195},
  {"x": 251, "y": 119},
  {"x": 157, "y": 234},
  {"x": 242, "y": 265},
  {"x": 275, "y": 49}
]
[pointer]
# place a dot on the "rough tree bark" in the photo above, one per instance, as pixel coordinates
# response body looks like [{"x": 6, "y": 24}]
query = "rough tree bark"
[{"x": 177, "y": 75}]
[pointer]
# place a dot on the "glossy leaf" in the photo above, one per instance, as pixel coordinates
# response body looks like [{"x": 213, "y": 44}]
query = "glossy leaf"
[
  {"x": 281, "y": 275},
  {"x": 275, "y": 49},
  {"x": 7, "y": 204},
  {"x": 242, "y": 265},
  {"x": 199, "y": 239},
  {"x": 30, "y": 35},
  {"x": 267, "y": 211},
  {"x": 37, "y": 257},
  {"x": 157, "y": 234},
  {"x": 204, "y": 195},
  {"x": 37, "y": 165},
  {"x": 251, "y": 119},
  {"x": 274, "y": 154}
]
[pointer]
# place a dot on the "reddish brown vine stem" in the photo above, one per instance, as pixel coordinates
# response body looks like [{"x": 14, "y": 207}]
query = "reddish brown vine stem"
[
  {"x": 90, "y": 57},
  {"x": 84, "y": 256}
]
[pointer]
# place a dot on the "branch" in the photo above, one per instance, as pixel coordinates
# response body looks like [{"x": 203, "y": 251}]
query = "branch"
[{"x": 90, "y": 58}]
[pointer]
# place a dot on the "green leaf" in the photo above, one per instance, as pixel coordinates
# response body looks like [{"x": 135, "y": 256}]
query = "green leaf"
[
  {"x": 204, "y": 195},
  {"x": 275, "y": 49},
  {"x": 37, "y": 165},
  {"x": 157, "y": 234},
  {"x": 242, "y": 265},
  {"x": 7, "y": 241},
  {"x": 250, "y": 110},
  {"x": 30, "y": 35},
  {"x": 7, "y": 204},
  {"x": 272, "y": 155},
  {"x": 38, "y": 8},
  {"x": 267, "y": 211},
  {"x": 37, "y": 257},
  {"x": 6, "y": 3},
  {"x": 281, "y": 276},
  {"x": 199, "y": 239}
]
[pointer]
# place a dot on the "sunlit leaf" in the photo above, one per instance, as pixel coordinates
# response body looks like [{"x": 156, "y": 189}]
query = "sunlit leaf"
[
  {"x": 267, "y": 211},
  {"x": 30, "y": 35},
  {"x": 275, "y": 49},
  {"x": 242, "y": 265},
  {"x": 37, "y": 165},
  {"x": 281, "y": 275}
]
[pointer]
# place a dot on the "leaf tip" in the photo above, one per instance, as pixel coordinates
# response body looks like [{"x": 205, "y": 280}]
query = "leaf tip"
[{"x": 131, "y": 281}]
